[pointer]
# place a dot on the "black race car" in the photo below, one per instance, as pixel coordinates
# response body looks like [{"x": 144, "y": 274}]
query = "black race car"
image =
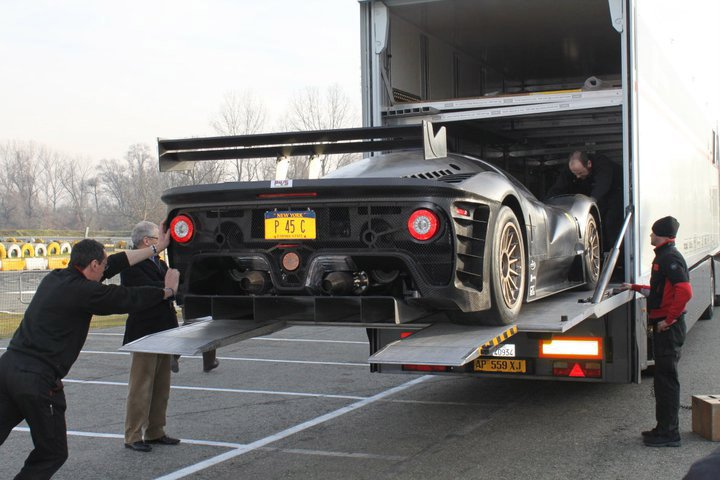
[{"x": 389, "y": 239}]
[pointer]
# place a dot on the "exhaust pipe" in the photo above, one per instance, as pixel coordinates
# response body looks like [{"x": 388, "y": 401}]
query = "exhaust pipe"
[
  {"x": 337, "y": 283},
  {"x": 255, "y": 282}
]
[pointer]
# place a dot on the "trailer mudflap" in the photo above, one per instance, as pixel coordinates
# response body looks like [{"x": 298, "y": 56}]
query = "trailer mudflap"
[
  {"x": 443, "y": 344},
  {"x": 202, "y": 336}
]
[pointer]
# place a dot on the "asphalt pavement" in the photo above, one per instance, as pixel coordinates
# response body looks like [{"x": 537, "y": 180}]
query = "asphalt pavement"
[{"x": 302, "y": 404}]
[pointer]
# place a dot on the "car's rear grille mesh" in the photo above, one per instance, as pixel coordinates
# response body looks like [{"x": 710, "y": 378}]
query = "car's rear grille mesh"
[
  {"x": 471, "y": 236},
  {"x": 367, "y": 229}
]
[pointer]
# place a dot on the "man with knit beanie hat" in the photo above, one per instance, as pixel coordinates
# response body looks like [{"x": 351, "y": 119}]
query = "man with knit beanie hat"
[{"x": 667, "y": 295}]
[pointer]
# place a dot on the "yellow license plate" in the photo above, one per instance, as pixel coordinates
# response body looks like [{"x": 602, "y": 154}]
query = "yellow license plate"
[
  {"x": 290, "y": 225},
  {"x": 499, "y": 365}
]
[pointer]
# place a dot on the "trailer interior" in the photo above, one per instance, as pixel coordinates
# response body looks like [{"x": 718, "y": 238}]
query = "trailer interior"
[{"x": 516, "y": 82}]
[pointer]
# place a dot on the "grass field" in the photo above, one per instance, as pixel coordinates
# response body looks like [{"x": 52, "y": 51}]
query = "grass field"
[{"x": 10, "y": 321}]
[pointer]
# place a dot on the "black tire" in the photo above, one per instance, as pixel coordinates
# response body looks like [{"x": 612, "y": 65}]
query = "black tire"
[
  {"x": 507, "y": 270},
  {"x": 507, "y": 275},
  {"x": 591, "y": 254}
]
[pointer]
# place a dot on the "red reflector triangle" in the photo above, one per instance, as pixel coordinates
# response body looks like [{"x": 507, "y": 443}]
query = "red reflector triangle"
[{"x": 577, "y": 371}]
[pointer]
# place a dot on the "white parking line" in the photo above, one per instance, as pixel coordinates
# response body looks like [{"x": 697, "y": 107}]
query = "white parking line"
[
  {"x": 235, "y": 446},
  {"x": 288, "y": 432},
  {"x": 239, "y": 359},
  {"x": 75, "y": 433},
  {"x": 227, "y": 390},
  {"x": 246, "y": 359}
]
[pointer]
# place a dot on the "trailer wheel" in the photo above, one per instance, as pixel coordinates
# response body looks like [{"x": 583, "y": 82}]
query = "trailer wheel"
[
  {"x": 507, "y": 270},
  {"x": 591, "y": 254}
]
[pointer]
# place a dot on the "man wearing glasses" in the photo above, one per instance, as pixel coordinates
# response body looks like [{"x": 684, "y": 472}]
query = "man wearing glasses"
[
  {"x": 51, "y": 335},
  {"x": 149, "y": 384}
]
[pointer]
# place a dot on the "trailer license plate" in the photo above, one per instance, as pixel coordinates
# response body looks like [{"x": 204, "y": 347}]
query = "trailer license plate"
[
  {"x": 290, "y": 225},
  {"x": 498, "y": 365}
]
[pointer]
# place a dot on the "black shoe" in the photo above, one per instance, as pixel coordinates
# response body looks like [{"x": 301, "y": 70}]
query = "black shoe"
[
  {"x": 174, "y": 366},
  {"x": 139, "y": 446},
  {"x": 213, "y": 365},
  {"x": 650, "y": 433},
  {"x": 164, "y": 440},
  {"x": 663, "y": 440}
]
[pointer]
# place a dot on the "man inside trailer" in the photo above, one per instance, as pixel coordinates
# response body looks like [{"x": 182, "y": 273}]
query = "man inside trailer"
[{"x": 598, "y": 177}]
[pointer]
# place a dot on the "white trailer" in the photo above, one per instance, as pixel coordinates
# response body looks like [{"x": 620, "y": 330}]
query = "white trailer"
[
  {"x": 522, "y": 84},
  {"x": 525, "y": 83}
]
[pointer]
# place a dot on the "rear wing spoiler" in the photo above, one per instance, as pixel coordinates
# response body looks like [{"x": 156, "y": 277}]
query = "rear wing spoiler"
[{"x": 180, "y": 154}]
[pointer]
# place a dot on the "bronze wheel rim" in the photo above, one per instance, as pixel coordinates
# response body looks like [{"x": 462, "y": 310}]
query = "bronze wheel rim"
[
  {"x": 511, "y": 265},
  {"x": 593, "y": 249}
]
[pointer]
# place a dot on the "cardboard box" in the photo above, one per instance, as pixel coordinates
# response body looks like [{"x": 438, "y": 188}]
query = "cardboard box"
[{"x": 706, "y": 416}]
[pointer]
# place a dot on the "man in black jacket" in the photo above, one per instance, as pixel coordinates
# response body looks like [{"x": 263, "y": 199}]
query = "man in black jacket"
[
  {"x": 598, "y": 177},
  {"x": 149, "y": 384},
  {"x": 667, "y": 295},
  {"x": 50, "y": 337}
]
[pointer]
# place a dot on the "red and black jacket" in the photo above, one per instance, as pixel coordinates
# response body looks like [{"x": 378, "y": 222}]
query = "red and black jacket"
[{"x": 669, "y": 290}]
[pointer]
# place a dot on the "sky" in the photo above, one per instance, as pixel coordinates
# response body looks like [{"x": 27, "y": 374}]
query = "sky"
[{"x": 89, "y": 78}]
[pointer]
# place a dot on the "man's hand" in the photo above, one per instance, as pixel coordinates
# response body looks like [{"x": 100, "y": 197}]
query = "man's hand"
[
  {"x": 163, "y": 238},
  {"x": 172, "y": 279},
  {"x": 662, "y": 325}
]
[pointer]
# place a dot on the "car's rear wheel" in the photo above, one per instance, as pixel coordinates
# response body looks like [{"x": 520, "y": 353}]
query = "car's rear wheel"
[
  {"x": 507, "y": 269},
  {"x": 507, "y": 274},
  {"x": 591, "y": 256}
]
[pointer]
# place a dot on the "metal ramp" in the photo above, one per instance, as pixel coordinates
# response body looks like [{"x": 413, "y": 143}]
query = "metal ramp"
[
  {"x": 444, "y": 344},
  {"x": 452, "y": 344},
  {"x": 202, "y": 336}
]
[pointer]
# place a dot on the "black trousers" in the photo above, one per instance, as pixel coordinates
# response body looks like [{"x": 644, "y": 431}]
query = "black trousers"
[
  {"x": 667, "y": 347},
  {"x": 29, "y": 391}
]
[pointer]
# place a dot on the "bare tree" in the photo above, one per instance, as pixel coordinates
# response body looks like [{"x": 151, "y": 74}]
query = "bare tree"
[
  {"x": 74, "y": 180},
  {"x": 131, "y": 189},
  {"x": 21, "y": 167},
  {"x": 8, "y": 195},
  {"x": 242, "y": 114},
  {"x": 51, "y": 166},
  {"x": 314, "y": 109}
]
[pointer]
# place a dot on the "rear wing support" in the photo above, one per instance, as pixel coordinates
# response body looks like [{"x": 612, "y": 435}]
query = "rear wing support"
[{"x": 180, "y": 154}]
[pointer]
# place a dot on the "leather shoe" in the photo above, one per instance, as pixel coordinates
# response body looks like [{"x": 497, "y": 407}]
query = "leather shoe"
[
  {"x": 164, "y": 440},
  {"x": 663, "y": 440},
  {"x": 651, "y": 433},
  {"x": 139, "y": 446},
  {"x": 174, "y": 365},
  {"x": 213, "y": 365}
]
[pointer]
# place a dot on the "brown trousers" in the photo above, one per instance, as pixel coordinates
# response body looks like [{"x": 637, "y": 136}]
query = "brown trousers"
[{"x": 148, "y": 394}]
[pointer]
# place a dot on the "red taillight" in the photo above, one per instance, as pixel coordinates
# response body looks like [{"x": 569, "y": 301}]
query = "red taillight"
[
  {"x": 577, "y": 369},
  {"x": 423, "y": 224},
  {"x": 182, "y": 229}
]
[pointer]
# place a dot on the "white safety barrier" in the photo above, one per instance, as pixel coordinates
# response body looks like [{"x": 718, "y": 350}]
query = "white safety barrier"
[
  {"x": 14, "y": 251},
  {"x": 65, "y": 248},
  {"x": 36, "y": 263},
  {"x": 40, "y": 250}
]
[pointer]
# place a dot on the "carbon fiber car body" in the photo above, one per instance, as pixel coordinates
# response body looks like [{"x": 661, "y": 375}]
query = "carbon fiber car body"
[{"x": 363, "y": 264}]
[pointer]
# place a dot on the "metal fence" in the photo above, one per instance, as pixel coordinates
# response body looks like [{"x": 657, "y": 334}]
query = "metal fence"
[{"x": 16, "y": 291}]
